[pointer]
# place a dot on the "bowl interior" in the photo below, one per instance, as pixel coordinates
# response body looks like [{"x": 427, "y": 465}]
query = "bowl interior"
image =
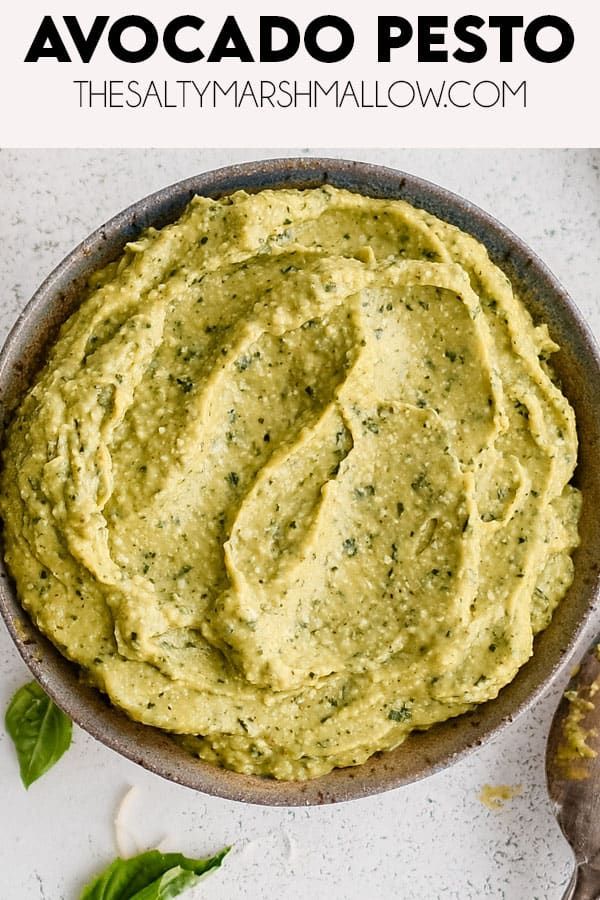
[{"x": 577, "y": 366}]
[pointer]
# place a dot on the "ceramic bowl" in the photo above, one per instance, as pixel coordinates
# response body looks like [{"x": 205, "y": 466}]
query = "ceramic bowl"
[{"x": 577, "y": 365}]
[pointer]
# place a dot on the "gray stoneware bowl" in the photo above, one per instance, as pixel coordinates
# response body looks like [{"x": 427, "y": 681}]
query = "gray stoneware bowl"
[{"x": 577, "y": 365}]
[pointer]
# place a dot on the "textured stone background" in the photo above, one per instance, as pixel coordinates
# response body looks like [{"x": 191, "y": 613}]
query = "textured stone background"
[{"x": 431, "y": 840}]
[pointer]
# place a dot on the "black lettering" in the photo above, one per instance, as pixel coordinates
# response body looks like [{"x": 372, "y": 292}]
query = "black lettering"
[
  {"x": 463, "y": 32},
  {"x": 284, "y": 88},
  {"x": 430, "y": 95},
  {"x": 321, "y": 89},
  {"x": 514, "y": 92},
  {"x": 86, "y": 46},
  {"x": 132, "y": 87},
  {"x": 496, "y": 94},
  {"x": 151, "y": 94},
  {"x": 267, "y": 25},
  {"x": 115, "y": 36},
  {"x": 170, "y": 39},
  {"x": 225, "y": 91},
  {"x": 386, "y": 41},
  {"x": 230, "y": 33},
  {"x": 329, "y": 56},
  {"x": 506, "y": 26},
  {"x": 115, "y": 92},
  {"x": 81, "y": 84},
  {"x": 396, "y": 101},
  {"x": 268, "y": 90},
  {"x": 567, "y": 39},
  {"x": 47, "y": 33},
  {"x": 451, "y": 98},
  {"x": 426, "y": 38},
  {"x": 247, "y": 92}
]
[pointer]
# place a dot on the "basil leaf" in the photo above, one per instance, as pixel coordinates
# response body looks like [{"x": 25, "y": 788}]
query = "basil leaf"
[
  {"x": 40, "y": 730},
  {"x": 171, "y": 884},
  {"x": 143, "y": 877}
]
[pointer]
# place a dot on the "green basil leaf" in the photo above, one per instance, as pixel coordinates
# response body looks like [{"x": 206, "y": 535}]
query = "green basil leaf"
[
  {"x": 40, "y": 730},
  {"x": 130, "y": 879},
  {"x": 174, "y": 882}
]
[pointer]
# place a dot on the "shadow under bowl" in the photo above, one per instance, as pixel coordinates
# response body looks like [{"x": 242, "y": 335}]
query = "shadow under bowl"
[{"x": 577, "y": 366}]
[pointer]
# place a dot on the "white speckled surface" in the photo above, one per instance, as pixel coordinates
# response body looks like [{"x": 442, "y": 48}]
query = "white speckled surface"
[{"x": 432, "y": 840}]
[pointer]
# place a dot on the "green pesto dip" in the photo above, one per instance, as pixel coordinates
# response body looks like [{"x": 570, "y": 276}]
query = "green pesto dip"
[{"x": 294, "y": 480}]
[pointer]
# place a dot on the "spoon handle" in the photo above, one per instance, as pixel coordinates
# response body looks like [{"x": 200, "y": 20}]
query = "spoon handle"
[{"x": 584, "y": 884}]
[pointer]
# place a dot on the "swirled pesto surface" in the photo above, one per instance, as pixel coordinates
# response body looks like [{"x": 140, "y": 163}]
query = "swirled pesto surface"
[{"x": 295, "y": 480}]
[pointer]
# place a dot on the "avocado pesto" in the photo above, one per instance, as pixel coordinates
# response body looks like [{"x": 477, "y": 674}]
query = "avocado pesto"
[{"x": 294, "y": 480}]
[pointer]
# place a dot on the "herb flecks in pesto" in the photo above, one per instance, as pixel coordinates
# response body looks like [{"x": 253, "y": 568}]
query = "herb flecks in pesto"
[
  {"x": 290, "y": 482},
  {"x": 402, "y": 714}
]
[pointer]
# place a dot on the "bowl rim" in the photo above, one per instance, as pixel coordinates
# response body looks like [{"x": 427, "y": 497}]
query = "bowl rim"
[{"x": 84, "y": 704}]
